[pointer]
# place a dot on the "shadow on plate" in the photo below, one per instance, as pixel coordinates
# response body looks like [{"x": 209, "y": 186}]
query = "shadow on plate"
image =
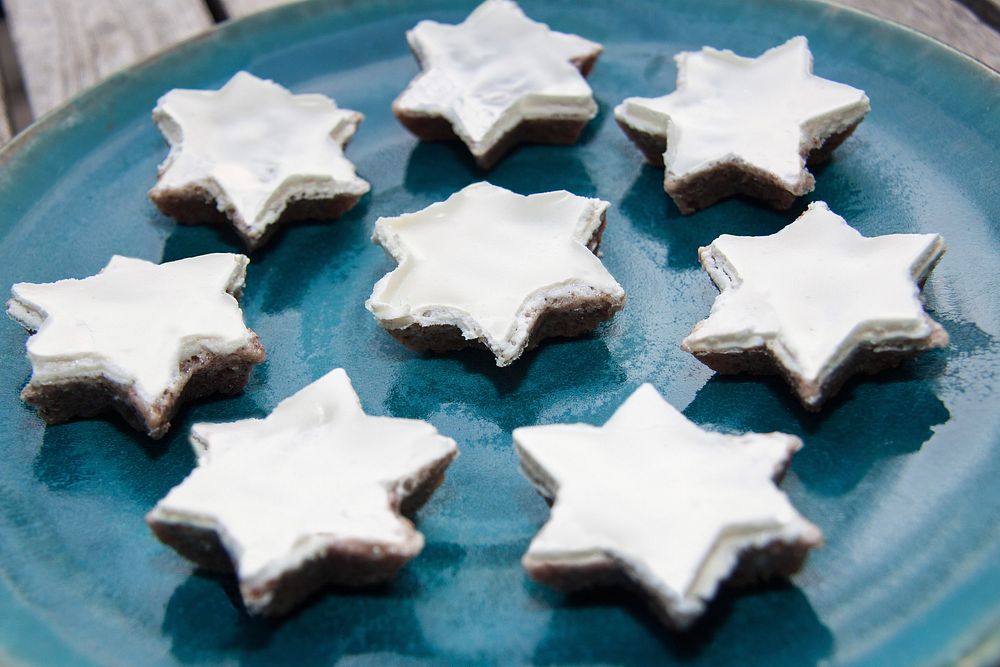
[
  {"x": 436, "y": 170},
  {"x": 556, "y": 368},
  {"x": 767, "y": 624},
  {"x": 105, "y": 455},
  {"x": 653, "y": 213},
  {"x": 206, "y": 621},
  {"x": 290, "y": 261},
  {"x": 872, "y": 418}
]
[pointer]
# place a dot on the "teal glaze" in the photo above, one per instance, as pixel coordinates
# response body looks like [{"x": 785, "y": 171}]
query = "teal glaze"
[{"x": 900, "y": 471}]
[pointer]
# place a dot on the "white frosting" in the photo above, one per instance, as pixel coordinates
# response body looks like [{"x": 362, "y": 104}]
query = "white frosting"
[
  {"x": 490, "y": 261},
  {"x": 815, "y": 291},
  {"x": 315, "y": 473},
  {"x": 255, "y": 146},
  {"x": 670, "y": 504},
  {"x": 494, "y": 70},
  {"x": 134, "y": 322},
  {"x": 763, "y": 112}
]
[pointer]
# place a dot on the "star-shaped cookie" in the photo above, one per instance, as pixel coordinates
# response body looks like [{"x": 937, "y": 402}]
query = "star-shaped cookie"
[
  {"x": 255, "y": 154},
  {"x": 308, "y": 496},
  {"x": 652, "y": 499},
  {"x": 492, "y": 267},
  {"x": 817, "y": 302},
  {"x": 740, "y": 125},
  {"x": 496, "y": 80},
  {"x": 139, "y": 338}
]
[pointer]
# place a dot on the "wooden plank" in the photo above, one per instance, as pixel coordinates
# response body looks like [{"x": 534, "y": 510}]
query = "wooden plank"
[
  {"x": 988, "y": 11},
  {"x": 15, "y": 114},
  {"x": 67, "y": 45},
  {"x": 4, "y": 123},
  {"x": 238, "y": 8},
  {"x": 946, "y": 20},
  {"x": 7, "y": 60}
]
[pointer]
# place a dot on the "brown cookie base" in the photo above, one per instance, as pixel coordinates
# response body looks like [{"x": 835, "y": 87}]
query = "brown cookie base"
[
  {"x": 565, "y": 318},
  {"x": 541, "y": 131},
  {"x": 564, "y": 131},
  {"x": 867, "y": 359},
  {"x": 342, "y": 563},
  {"x": 202, "y": 375},
  {"x": 705, "y": 188},
  {"x": 195, "y": 206},
  {"x": 776, "y": 560},
  {"x": 568, "y": 318}
]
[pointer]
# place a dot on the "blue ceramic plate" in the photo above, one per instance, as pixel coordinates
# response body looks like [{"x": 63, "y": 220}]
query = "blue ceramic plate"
[{"x": 900, "y": 471}]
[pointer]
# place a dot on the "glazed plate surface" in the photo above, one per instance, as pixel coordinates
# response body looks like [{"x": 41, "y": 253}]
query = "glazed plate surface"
[{"x": 900, "y": 471}]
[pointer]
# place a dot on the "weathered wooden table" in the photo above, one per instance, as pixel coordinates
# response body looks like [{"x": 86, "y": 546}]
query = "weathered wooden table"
[{"x": 52, "y": 49}]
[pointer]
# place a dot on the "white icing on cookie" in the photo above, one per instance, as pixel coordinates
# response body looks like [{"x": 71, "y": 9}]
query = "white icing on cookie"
[
  {"x": 490, "y": 262},
  {"x": 494, "y": 70},
  {"x": 763, "y": 112},
  {"x": 651, "y": 493},
  {"x": 134, "y": 322},
  {"x": 316, "y": 474},
  {"x": 814, "y": 292},
  {"x": 255, "y": 147}
]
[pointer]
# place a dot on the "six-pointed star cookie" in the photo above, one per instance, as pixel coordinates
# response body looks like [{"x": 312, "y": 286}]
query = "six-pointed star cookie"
[
  {"x": 309, "y": 495},
  {"x": 652, "y": 499},
  {"x": 138, "y": 337},
  {"x": 816, "y": 301},
  {"x": 494, "y": 267},
  {"x": 743, "y": 125},
  {"x": 256, "y": 154},
  {"x": 496, "y": 80}
]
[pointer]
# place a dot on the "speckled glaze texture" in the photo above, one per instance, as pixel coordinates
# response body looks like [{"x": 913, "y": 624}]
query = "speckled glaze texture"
[{"x": 899, "y": 471}]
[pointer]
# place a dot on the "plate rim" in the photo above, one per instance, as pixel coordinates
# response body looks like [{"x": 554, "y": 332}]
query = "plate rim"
[{"x": 981, "y": 650}]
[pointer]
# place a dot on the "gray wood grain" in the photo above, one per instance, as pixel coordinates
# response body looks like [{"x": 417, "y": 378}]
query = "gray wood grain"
[
  {"x": 4, "y": 123},
  {"x": 15, "y": 101},
  {"x": 67, "y": 45},
  {"x": 945, "y": 20},
  {"x": 6, "y": 61},
  {"x": 238, "y": 8}
]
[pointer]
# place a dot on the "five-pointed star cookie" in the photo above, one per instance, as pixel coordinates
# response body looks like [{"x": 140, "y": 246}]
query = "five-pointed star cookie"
[
  {"x": 494, "y": 267},
  {"x": 256, "y": 154},
  {"x": 652, "y": 498},
  {"x": 817, "y": 301},
  {"x": 496, "y": 80},
  {"x": 740, "y": 125},
  {"x": 138, "y": 337},
  {"x": 309, "y": 495}
]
